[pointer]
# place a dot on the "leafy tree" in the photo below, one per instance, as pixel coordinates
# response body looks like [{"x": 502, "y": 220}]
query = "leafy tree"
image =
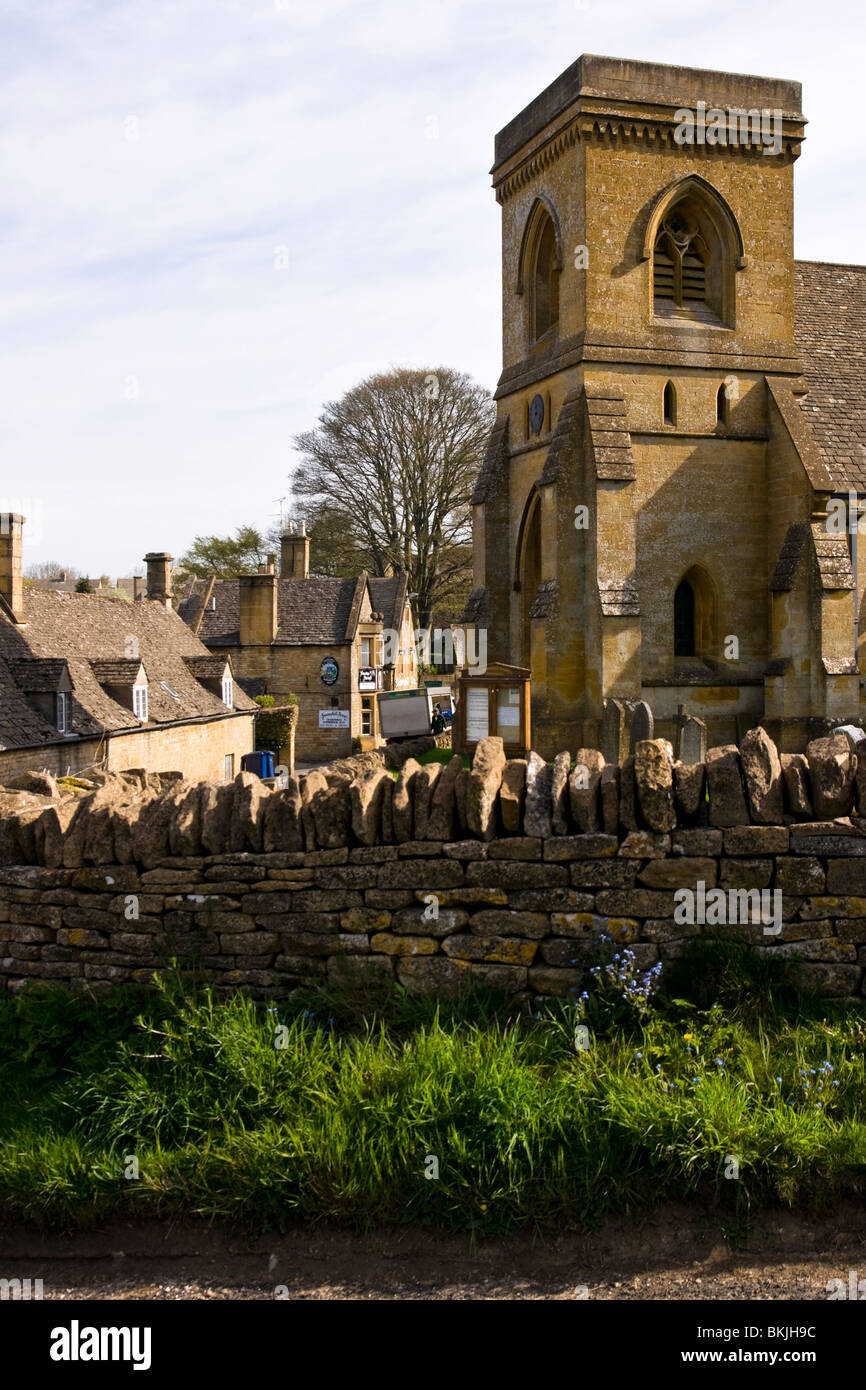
[
  {"x": 390, "y": 469},
  {"x": 84, "y": 586},
  {"x": 227, "y": 557}
]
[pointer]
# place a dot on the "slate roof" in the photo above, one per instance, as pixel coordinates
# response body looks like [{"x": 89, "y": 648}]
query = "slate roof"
[
  {"x": 36, "y": 675},
  {"x": 116, "y": 672},
  {"x": 831, "y": 338},
  {"x": 317, "y": 611},
  {"x": 84, "y": 630}
]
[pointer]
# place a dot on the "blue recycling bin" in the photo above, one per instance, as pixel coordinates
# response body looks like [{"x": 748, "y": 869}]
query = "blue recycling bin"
[{"x": 261, "y": 762}]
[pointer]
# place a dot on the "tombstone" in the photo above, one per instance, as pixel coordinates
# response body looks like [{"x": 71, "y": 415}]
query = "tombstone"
[
  {"x": 614, "y": 745},
  {"x": 641, "y": 724},
  {"x": 692, "y": 741}
]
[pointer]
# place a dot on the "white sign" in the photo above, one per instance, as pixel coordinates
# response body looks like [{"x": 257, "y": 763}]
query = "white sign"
[
  {"x": 333, "y": 719},
  {"x": 477, "y": 714},
  {"x": 367, "y": 678}
]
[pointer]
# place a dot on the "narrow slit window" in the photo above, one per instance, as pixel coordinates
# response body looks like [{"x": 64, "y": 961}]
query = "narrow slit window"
[
  {"x": 722, "y": 406},
  {"x": 670, "y": 404}
]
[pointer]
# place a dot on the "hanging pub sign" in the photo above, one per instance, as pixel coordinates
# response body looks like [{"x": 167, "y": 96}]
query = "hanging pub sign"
[
  {"x": 329, "y": 670},
  {"x": 496, "y": 703}
]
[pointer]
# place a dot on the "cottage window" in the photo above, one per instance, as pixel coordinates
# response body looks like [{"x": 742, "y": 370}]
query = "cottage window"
[
  {"x": 366, "y": 716},
  {"x": 229, "y": 766},
  {"x": 228, "y": 691},
  {"x": 139, "y": 702},
  {"x": 366, "y": 653}
]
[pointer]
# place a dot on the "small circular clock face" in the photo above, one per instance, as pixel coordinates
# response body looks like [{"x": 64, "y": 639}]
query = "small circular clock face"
[{"x": 536, "y": 414}]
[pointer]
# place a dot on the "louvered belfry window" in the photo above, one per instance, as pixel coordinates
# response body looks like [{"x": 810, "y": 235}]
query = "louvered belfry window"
[{"x": 680, "y": 260}]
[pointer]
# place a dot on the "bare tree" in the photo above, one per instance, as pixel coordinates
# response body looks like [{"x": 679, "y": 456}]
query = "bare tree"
[
  {"x": 51, "y": 569},
  {"x": 393, "y": 462}
]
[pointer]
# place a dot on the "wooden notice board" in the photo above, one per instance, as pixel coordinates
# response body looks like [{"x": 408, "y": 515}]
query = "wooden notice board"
[{"x": 496, "y": 703}]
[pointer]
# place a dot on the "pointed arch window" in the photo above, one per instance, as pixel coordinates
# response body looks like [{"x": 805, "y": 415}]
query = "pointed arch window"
[
  {"x": 695, "y": 617},
  {"x": 669, "y": 404},
  {"x": 540, "y": 266},
  {"x": 694, "y": 247}
]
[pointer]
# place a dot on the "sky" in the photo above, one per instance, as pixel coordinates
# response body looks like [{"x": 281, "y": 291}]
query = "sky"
[{"x": 217, "y": 215}]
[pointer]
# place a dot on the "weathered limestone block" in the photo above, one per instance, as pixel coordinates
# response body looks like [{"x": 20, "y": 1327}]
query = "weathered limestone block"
[
  {"x": 757, "y": 839},
  {"x": 832, "y": 767},
  {"x": 628, "y": 803},
  {"x": 402, "y": 806},
  {"x": 360, "y": 970},
  {"x": 423, "y": 786},
  {"x": 679, "y": 873},
  {"x": 566, "y": 847},
  {"x": 184, "y": 835},
  {"x": 149, "y": 833},
  {"x": 248, "y": 808},
  {"x": 746, "y": 873},
  {"x": 584, "y": 788},
  {"x": 795, "y": 776},
  {"x": 332, "y": 815},
  {"x": 559, "y": 800},
  {"x": 762, "y": 772},
  {"x": 689, "y": 782},
  {"x": 503, "y": 950},
  {"x": 517, "y": 847},
  {"x": 427, "y": 875},
  {"x": 425, "y": 975},
  {"x": 388, "y": 812},
  {"x": 494, "y": 922},
  {"x": 609, "y": 792},
  {"x": 538, "y": 811},
  {"x": 431, "y": 919},
  {"x": 50, "y": 830},
  {"x": 804, "y": 876},
  {"x": 512, "y": 795},
  {"x": 283, "y": 831},
  {"x": 366, "y": 795},
  {"x": 314, "y": 784},
  {"x": 216, "y": 800},
  {"x": 461, "y": 793},
  {"x": 725, "y": 786},
  {"x": 391, "y": 945},
  {"x": 643, "y": 844},
  {"x": 482, "y": 789},
  {"x": 654, "y": 775},
  {"x": 587, "y": 926},
  {"x": 442, "y": 814}
]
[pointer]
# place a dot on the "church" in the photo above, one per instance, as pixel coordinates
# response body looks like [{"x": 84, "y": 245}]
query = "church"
[{"x": 681, "y": 416}]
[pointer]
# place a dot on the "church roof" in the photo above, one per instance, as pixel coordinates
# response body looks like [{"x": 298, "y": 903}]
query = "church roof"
[{"x": 831, "y": 337}]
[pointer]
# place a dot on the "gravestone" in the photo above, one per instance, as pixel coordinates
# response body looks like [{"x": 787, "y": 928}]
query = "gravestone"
[
  {"x": 614, "y": 744},
  {"x": 692, "y": 741},
  {"x": 641, "y": 724}
]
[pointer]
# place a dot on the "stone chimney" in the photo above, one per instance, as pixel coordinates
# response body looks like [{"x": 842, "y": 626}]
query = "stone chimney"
[
  {"x": 295, "y": 551},
  {"x": 257, "y": 594},
  {"x": 11, "y": 546},
  {"x": 159, "y": 576}
]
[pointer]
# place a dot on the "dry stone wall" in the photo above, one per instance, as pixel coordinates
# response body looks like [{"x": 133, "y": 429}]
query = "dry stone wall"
[{"x": 503, "y": 875}]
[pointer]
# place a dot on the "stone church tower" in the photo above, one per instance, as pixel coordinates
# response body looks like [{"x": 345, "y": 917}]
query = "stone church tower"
[{"x": 650, "y": 521}]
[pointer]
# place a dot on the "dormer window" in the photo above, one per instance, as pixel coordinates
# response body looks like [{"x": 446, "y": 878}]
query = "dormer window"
[
  {"x": 62, "y": 712},
  {"x": 139, "y": 702},
  {"x": 228, "y": 692}
]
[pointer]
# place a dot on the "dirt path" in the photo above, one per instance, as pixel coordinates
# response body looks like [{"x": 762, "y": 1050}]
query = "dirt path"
[{"x": 677, "y": 1254}]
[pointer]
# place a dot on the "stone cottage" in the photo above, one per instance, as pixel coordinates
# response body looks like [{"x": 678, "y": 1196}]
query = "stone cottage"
[
  {"x": 680, "y": 404},
  {"x": 88, "y": 681},
  {"x": 334, "y": 643}
]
